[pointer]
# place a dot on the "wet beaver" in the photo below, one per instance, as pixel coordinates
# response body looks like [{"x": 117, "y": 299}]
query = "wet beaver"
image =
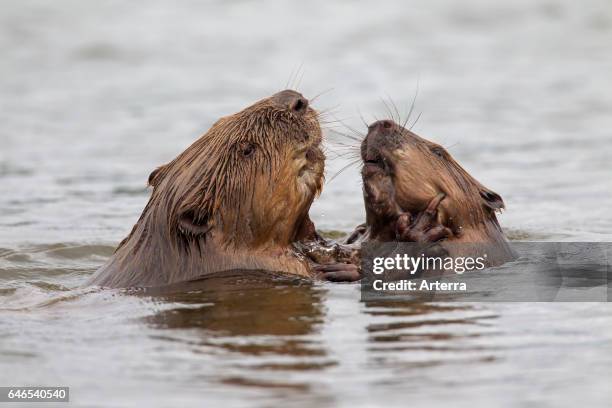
[
  {"x": 414, "y": 191},
  {"x": 235, "y": 199},
  {"x": 405, "y": 174}
]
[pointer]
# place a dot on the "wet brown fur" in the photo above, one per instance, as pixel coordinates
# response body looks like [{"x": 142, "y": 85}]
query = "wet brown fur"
[
  {"x": 411, "y": 171},
  {"x": 235, "y": 199}
]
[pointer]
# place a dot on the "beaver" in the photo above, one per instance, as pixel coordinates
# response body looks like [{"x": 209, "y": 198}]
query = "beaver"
[
  {"x": 414, "y": 191},
  {"x": 404, "y": 174},
  {"x": 236, "y": 199}
]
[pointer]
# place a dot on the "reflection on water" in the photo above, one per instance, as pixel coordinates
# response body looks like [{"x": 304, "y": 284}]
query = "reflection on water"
[
  {"x": 273, "y": 333},
  {"x": 253, "y": 317},
  {"x": 417, "y": 336},
  {"x": 236, "y": 306}
]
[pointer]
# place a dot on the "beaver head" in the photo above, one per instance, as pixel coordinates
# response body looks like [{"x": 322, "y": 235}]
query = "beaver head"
[
  {"x": 404, "y": 172},
  {"x": 235, "y": 199},
  {"x": 249, "y": 180}
]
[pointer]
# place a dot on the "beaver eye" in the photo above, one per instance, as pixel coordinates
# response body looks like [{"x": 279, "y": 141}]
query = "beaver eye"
[
  {"x": 247, "y": 149},
  {"x": 438, "y": 151}
]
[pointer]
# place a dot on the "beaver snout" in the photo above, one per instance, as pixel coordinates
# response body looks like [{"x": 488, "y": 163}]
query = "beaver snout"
[
  {"x": 384, "y": 125},
  {"x": 373, "y": 157},
  {"x": 374, "y": 162},
  {"x": 377, "y": 143},
  {"x": 292, "y": 100},
  {"x": 383, "y": 137},
  {"x": 381, "y": 132}
]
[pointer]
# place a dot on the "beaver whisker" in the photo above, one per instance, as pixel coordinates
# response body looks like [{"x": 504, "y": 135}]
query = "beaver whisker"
[
  {"x": 332, "y": 126},
  {"x": 350, "y": 137},
  {"x": 345, "y": 145},
  {"x": 327, "y": 149},
  {"x": 399, "y": 116},
  {"x": 354, "y": 136},
  {"x": 357, "y": 133},
  {"x": 352, "y": 163},
  {"x": 416, "y": 93},
  {"x": 391, "y": 109},
  {"x": 349, "y": 155},
  {"x": 349, "y": 149},
  {"x": 453, "y": 145},
  {"x": 342, "y": 150},
  {"x": 320, "y": 94},
  {"x": 362, "y": 119},
  {"x": 289, "y": 79},
  {"x": 388, "y": 109},
  {"x": 327, "y": 122},
  {"x": 293, "y": 77},
  {"x": 328, "y": 109},
  {"x": 328, "y": 118},
  {"x": 299, "y": 82},
  {"x": 328, "y": 129},
  {"x": 415, "y": 121},
  {"x": 326, "y": 113}
]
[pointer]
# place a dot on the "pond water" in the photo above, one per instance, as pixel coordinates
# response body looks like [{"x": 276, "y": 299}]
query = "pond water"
[{"x": 96, "y": 95}]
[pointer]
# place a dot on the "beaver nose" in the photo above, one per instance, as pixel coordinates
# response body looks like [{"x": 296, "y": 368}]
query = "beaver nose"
[
  {"x": 293, "y": 100},
  {"x": 382, "y": 125},
  {"x": 380, "y": 134}
]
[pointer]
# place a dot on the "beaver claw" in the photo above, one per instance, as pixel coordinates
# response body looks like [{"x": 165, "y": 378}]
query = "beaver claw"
[
  {"x": 425, "y": 227},
  {"x": 338, "y": 272}
]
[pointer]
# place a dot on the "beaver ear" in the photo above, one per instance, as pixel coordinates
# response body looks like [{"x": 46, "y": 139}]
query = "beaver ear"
[
  {"x": 156, "y": 176},
  {"x": 192, "y": 224},
  {"x": 491, "y": 199}
]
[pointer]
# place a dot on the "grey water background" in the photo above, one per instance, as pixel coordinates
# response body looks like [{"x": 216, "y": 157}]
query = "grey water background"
[{"x": 95, "y": 95}]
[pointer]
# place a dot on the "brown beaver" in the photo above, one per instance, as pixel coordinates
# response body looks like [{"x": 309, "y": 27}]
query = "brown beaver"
[
  {"x": 414, "y": 191},
  {"x": 235, "y": 199},
  {"x": 405, "y": 174}
]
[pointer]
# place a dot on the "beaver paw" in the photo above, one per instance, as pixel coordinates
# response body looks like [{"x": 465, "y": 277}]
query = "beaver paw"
[
  {"x": 425, "y": 227},
  {"x": 339, "y": 272}
]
